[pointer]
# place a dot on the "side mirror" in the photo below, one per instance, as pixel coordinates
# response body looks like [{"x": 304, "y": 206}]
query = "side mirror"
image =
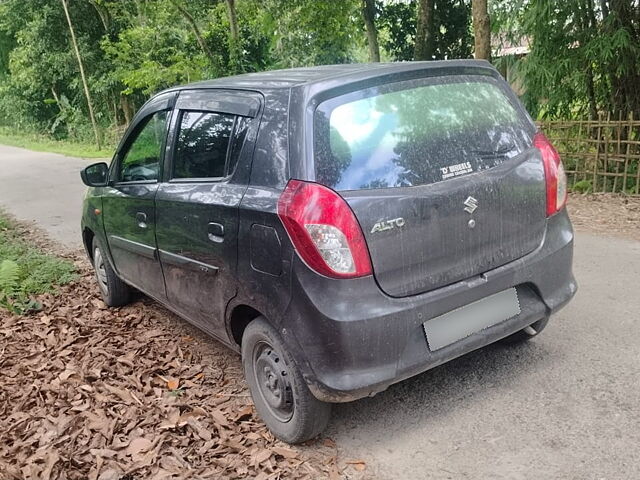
[{"x": 95, "y": 175}]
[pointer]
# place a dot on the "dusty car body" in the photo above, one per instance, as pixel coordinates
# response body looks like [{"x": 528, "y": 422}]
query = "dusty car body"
[{"x": 344, "y": 227}]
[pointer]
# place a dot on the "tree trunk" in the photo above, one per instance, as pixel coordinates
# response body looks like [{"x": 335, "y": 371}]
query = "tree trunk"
[
  {"x": 481, "y": 29},
  {"x": 234, "y": 36},
  {"x": 196, "y": 31},
  {"x": 233, "y": 19},
  {"x": 127, "y": 109},
  {"x": 57, "y": 99},
  {"x": 625, "y": 84},
  {"x": 369, "y": 15},
  {"x": 587, "y": 25},
  {"x": 103, "y": 13},
  {"x": 82, "y": 75},
  {"x": 424, "y": 31}
]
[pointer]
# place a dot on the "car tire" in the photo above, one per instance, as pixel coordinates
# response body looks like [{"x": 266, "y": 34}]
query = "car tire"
[
  {"x": 527, "y": 333},
  {"x": 280, "y": 394},
  {"x": 114, "y": 291}
]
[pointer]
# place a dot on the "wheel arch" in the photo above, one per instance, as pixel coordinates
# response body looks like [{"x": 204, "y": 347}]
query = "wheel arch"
[
  {"x": 87, "y": 239},
  {"x": 241, "y": 315}
]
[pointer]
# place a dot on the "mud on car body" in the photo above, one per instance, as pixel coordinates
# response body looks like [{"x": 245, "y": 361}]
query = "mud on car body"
[{"x": 342, "y": 227}]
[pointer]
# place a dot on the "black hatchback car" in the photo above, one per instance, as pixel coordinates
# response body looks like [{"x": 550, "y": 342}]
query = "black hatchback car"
[{"x": 343, "y": 227}]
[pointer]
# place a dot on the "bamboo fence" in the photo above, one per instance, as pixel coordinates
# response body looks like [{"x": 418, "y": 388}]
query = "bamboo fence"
[{"x": 600, "y": 155}]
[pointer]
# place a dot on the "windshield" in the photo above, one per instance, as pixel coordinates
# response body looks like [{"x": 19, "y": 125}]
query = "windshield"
[{"x": 421, "y": 134}]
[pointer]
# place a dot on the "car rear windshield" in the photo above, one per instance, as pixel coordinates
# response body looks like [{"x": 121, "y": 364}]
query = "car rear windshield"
[{"x": 416, "y": 133}]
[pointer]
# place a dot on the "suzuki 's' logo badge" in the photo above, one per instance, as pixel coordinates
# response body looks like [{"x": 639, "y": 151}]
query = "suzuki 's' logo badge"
[
  {"x": 388, "y": 225},
  {"x": 470, "y": 205}
]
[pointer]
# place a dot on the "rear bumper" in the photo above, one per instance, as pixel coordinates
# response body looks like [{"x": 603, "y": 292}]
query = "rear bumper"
[{"x": 351, "y": 340}]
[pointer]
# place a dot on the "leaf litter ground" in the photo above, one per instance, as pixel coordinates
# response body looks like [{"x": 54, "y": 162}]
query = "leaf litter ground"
[{"x": 88, "y": 392}]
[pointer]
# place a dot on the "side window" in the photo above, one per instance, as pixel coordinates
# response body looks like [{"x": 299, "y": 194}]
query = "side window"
[
  {"x": 142, "y": 160},
  {"x": 203, "y": 145}
]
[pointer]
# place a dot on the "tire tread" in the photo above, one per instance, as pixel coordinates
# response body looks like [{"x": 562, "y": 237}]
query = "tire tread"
[
  {"x": 311, "y": 416},
  {"x": 119, "y": 292}
]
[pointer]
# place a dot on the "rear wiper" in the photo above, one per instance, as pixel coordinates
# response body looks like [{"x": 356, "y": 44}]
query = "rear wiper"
[{"x": 496, "y": 152}]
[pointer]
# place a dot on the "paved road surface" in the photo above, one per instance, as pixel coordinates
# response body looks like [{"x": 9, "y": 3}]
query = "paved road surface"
[
  {"x": 566, "y": 405},
  {"x": 45, "y": 188}
]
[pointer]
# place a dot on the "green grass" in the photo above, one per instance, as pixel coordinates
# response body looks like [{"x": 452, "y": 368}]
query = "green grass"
[
  {"x": 25, "y": 271},
  {"x": 42, "y": 143}
]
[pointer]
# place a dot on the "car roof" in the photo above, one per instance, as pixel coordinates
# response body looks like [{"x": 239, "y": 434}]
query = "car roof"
[{"x": 304, "y": 76}]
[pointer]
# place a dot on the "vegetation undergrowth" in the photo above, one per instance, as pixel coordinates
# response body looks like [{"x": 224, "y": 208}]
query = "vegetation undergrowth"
[
  {"x": 25, "y": 271},
  {"x": 42, "y": 143}
]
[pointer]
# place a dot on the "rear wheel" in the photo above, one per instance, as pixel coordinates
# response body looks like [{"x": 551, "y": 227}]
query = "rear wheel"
[
  {"x": 526, "y": 333},
  {"x": 279, "y": 392},
  {"x": 115, "y": 292}
]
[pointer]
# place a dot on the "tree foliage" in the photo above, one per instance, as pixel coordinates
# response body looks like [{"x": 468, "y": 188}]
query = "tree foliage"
[
  {"x": 583, "y": 57},
  {"x": 450, "y": 29}
]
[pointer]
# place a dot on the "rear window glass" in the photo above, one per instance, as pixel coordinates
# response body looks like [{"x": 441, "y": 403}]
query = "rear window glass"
[{"x": 391, "y": 136}]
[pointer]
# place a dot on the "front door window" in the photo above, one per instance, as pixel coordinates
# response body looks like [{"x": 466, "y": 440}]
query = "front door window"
[{"x": 141, "y": 162}]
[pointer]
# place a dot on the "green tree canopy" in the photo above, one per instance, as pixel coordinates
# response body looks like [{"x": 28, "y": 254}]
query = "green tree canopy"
[{"x": 583, "y": 55}]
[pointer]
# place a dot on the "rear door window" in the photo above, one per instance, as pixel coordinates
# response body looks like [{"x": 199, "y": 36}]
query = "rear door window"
[
  {"x": 416, "y": 133},
  {"x": 203, "y": 145}
]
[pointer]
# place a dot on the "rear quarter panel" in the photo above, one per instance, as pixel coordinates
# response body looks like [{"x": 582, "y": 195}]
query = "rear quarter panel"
[{"x": 264, "y": 251}]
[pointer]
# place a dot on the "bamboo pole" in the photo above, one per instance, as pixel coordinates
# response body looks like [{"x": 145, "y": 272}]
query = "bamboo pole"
[
  {"x": 638, "y": 169},
  {"x": 606, "y": 154},
  {"x": 617, "y": 164},
  {"x": 594, "y": 181},
  {"x": 82, "y": 75},
  {"x": 575, "y": 175}
]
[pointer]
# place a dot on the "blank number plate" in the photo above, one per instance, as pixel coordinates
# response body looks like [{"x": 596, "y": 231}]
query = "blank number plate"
[{"x": 464, "y": 321}]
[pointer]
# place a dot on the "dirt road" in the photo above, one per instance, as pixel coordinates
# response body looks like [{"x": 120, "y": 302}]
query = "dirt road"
[{"x": 567, "y": 405}]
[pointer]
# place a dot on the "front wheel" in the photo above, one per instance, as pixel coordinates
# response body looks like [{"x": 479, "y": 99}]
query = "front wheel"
[
  {"x": 115, "y": 292},
  {"x": 279, "y": 392},
  {"x": 526, "y": 333}
]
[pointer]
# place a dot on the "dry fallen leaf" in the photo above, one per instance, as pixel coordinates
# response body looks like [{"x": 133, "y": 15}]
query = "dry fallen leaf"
[
  {"x": 138, "y": 445},
  {"x": 359, "y": 465},
  {"x": 285, "y": 452},
  {"x": 329, "y": 442},
  {"x": 173, "y": 383},
  {"x": 262, "y": 456},
  {"x": 244, "y": 414}
]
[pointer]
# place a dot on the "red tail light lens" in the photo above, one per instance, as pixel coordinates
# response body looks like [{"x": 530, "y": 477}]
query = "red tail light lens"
[
  {"x": 555, "y": 177},
  {"x": 324, "y": 230}
]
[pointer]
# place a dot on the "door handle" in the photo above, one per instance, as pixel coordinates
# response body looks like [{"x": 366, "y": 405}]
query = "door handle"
[
  {"x": 215, "y": 232},
  {"x": 141, "y": 218}
]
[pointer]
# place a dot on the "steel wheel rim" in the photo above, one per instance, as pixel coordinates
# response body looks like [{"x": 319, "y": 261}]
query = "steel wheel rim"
[
  {"x": 101, "y": 271},
  {"x": 271, "y": 375}
]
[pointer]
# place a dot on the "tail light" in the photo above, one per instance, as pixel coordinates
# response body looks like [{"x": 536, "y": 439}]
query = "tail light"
[
  {"x": 555, "y": 177},
  {"x": 324, "y": 230}
]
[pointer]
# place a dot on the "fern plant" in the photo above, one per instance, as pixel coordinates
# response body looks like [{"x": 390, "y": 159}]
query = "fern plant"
[
  {"x": 12, "y": 295},
  {"x": 9, "y": 277}
]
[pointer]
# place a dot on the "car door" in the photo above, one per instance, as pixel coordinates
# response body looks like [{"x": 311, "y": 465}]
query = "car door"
[
  {"x": 205, "y": 178},
  {"x": 128, "y": 204}
]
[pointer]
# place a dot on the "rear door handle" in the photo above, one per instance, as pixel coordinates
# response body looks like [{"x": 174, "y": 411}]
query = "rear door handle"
[
  {"x": 141, "y": 218},
  {"x": 215, "y": 232}
]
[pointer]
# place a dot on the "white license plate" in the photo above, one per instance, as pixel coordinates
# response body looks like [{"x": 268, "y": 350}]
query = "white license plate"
[{"x": 464, "y": 321}]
